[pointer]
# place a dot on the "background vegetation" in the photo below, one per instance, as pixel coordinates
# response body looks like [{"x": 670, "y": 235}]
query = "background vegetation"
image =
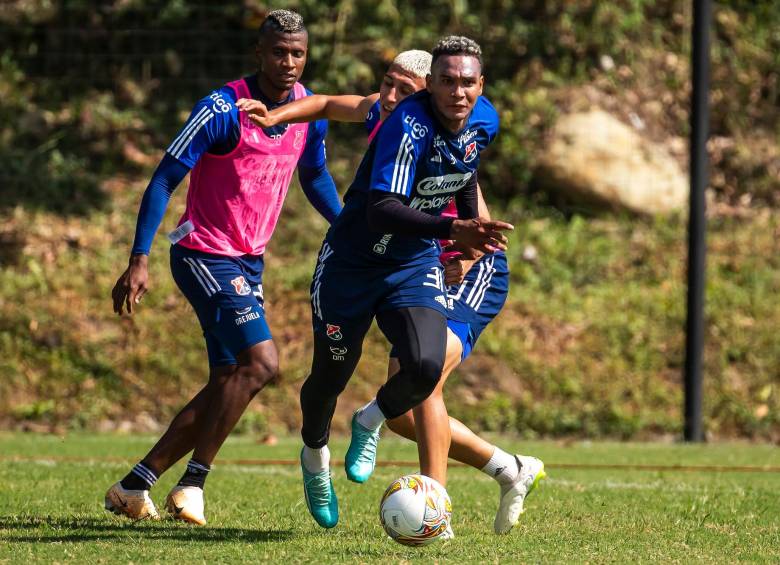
[{"x": 591, "y": 340}]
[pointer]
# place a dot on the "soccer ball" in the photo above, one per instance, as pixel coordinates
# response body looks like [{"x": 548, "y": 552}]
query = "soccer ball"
[{"x": 415, "y": 510}]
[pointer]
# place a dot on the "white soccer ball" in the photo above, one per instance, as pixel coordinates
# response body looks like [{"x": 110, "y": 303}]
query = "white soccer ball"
[{"x": 415, "y": 510}]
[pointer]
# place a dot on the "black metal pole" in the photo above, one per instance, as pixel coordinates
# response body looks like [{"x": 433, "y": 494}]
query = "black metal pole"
[{"x": 694, "y": 337}]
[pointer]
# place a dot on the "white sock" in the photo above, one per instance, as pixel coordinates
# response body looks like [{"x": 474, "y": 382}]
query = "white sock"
[
  {"x": 370, "y": 416},
  {"x": 316, "y": 460},
  {"x": 502, "y": 466}
]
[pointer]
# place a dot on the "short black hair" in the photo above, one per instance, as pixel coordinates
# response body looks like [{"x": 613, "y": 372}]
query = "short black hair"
[
  {"x": 282, "y": 21},
  {"x": 457, "y": 45}
]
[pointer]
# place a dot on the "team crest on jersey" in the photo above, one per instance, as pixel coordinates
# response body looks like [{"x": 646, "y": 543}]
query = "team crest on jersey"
[
  {"x": 241, "y": 286},
  {"x": 334, "y": 332},
  {"x": 466, "y": 136},
  {"x": 471, "y": 152}
]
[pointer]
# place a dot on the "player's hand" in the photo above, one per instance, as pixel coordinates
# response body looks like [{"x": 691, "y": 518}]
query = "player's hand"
[
  {"x": 455, "y": 270},
  {"x": 480, "y": 234},
  {"x": 256, "y": 111},
  {"x": 467, "y": 253},
  {"x": 132, "y": 285}
]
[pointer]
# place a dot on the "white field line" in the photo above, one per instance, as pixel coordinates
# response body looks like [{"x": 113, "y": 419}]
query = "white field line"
[
  {"x": 618, "y": 485},
  {"x": 566, "y": 484}
]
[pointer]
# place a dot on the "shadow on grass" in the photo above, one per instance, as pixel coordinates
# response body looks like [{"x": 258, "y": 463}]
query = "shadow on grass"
[{"x": 56, "y": 529}]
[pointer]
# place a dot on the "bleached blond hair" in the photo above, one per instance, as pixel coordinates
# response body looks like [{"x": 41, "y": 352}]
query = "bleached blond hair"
[{"x": 415, "y": 62}]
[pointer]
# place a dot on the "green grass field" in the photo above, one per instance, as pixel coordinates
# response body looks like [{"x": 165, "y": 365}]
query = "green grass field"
[{"x": 52, "y": 489}]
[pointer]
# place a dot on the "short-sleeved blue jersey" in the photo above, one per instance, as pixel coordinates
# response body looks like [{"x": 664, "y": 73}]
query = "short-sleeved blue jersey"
[
  {"x": 415, "y": 157},
  {"x": 213, "y": 127}
]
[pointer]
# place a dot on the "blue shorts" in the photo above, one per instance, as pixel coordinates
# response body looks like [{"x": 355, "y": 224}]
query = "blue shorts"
[
  {"x": 474, "y": 303},
  {"x": 346, "y": 295},
  {"x": 227, "y": 295}
]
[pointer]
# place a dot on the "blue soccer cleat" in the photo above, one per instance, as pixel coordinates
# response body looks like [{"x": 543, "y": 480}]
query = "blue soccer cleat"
[
  {"x": 320, "y": 497},
  {"x": 361, "y": 455}
]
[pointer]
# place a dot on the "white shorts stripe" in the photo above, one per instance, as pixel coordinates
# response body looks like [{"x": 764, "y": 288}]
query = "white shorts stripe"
[
  {"x": 491, "y": 271},
  {"x": 193, "y": 122},
  {"x": 198, "y": 275},
  {"x": 209, "y": 275},
  {"x": 481, "y": 284},
  {"x": 476, "y": 283}
]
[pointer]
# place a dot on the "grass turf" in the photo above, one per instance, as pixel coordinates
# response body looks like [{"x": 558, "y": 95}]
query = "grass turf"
[{"x": 51, "y": 507}]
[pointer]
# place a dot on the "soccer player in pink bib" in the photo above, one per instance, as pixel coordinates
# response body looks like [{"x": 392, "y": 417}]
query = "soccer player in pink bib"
[{"x": 239, "y": 176}]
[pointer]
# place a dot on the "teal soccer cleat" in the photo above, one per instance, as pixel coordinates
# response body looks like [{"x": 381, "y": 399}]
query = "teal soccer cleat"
[
  {"x": 361, "y": 455},
  {"x": 320, "y": 497}
]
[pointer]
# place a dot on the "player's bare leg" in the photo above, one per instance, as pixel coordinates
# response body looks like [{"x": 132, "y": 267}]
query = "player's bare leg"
[
  {"x": 466, "y": 446},
  {"x": 517, "y": 475},
  {"x": 257, "y": 366},
  {"x": 431, "y": 421},
  {"x": 130, "y": 496},
  {"x": 203, "y": 425},
  {"x": 180, "y": 437}
]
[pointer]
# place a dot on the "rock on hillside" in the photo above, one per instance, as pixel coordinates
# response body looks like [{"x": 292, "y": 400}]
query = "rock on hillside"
[{"x": 594, "y": 158}]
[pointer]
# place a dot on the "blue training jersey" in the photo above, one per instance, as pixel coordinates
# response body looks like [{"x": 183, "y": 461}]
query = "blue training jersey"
[
  {"x": 214, "y": 127},
  {"x": 372, "y": 118},
  {"x": 415, "y": 157}
]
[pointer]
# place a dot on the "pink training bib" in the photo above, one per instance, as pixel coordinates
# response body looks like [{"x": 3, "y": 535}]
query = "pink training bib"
[{"x": 234, "y": 200}]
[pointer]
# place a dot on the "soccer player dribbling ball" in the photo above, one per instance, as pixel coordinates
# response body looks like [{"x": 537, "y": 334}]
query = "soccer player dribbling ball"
[
  {"x": 240, "y": 176},
  {"x": 477, "y": 290},
  {"x": 381, "y": 259}
]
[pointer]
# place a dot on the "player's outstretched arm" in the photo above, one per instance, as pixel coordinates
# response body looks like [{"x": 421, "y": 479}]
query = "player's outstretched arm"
[
  {"x": 345, "y": 108},
  {"x": 387, "y": 213}
]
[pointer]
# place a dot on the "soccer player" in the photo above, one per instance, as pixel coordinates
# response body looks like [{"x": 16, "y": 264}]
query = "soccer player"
[
  {"x": 381, "y": 259},
  {"x": 239, "y": 179},
  {"x": 472, "y": 303}
]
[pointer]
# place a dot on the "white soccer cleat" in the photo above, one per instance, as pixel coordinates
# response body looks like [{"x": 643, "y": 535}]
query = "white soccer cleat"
[
  {"x": 448, "y": 534},
  {"x": 513, "y": 495},
  {"x": 186, "y": 504},
  {"x": 134, "y": 504}
]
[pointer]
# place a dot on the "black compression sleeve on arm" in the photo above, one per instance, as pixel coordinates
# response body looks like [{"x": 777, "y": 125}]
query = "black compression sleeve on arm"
[
  {"x": 386, "y": 213},
  {"x": 467, "y": 201}
]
